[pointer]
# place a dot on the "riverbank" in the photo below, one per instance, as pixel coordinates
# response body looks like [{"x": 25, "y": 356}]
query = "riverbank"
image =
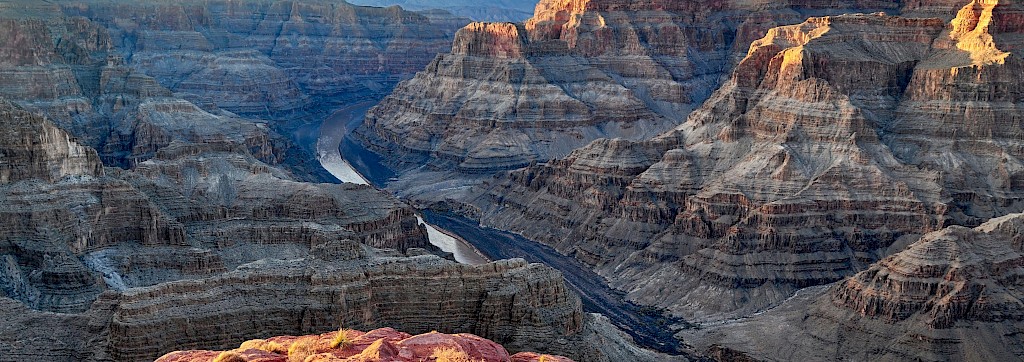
[
  {"x": 332, "y": 133},
  {"x": 648, "y": 327}
]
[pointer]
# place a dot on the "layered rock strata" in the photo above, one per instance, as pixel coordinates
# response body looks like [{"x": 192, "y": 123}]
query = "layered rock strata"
[
  {"x": 510, "y": 94},
  {"x": 143, "y": 255},
  {"x": 66, "y": 68},
  {"x": 58, "y": 205},
  {"x": 820, "y": 155},
  {"x": 272, "y": 58},
  {"x": 201, "y": 207},
  {"x": 125, "y": 256},
  {"x": 34, "y": 148},
  {"x": 98, "y": 68},
  {"x": 523, "y": 306},
  {"x": 954, "y": 294}
]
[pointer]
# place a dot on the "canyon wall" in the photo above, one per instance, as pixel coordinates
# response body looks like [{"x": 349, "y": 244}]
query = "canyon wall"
[
  {"x": 98, "y": 68},
  {"x": 952, "y": 295},
  {"x": 276, "y": 59},
  {"x": 511, "y": 94},
  {"x": 125, "y": 263},
  {"x": 523, "y": 306},
  {"x": 834, "y": 143}
]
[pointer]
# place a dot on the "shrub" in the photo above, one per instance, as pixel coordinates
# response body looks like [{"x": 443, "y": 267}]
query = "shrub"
[
  {"x": 450, "y": 354},
  {"x": 342, "y": 340},
  {"x": 264, "y": 345},
  {"x": 301, "y": 349},
  {"x": 229, "y": 356}
]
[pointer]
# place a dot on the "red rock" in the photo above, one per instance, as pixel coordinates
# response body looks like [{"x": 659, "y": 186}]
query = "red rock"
[
  {"x": 380, "y": 350},
  {"x": 379, "y": 345},
  {"x": 476, "y": 347},
  {"x": 257, "y": 355},
  {"x": 188, "y": 356}
]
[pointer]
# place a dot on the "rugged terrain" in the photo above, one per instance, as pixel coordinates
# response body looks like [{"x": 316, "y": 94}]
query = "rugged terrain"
[
  {"x": 137, "y": 222},
  {"x": 731, "y": 162},
  {"x": 272, "y": 58},
  {"x": 98, "y": 67},
  {"x": 385, "y": 344},
  {"x": 835, "y": 142},
  {"x": 511, "y": 94},
  {"x": 955, "y": 294}
]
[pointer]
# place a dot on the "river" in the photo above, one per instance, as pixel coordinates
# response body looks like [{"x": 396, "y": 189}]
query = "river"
[
  {"x": 332, "y": 131},
  {"x": 649, "y": 328}
]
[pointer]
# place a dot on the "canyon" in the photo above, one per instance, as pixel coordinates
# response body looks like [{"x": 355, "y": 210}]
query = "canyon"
[
  {"x": 508, "y": 95},
  {"x": 155, "y": 195},
  {"x": 798, "y": 171},
  {"x": 607, "y": 180},
  {"x": 839, "y": 139}
]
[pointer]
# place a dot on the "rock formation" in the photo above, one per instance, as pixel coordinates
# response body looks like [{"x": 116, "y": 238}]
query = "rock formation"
[
  {"x": 34, "y": 148},
  {"x": 511, "y": 94},
  {"x": 952, "y": 295},
  {"x": 834, "y": 142},
  {"x": 524, "y": 306},
  {"x": 200, "y": 230},
  {"x": 947, "y": 276},
  {"x": 385, "y": 344},
  {"x": 97, "y": 68},
  {"x": 272, "y": 58},
  {"x": 58, "y": 205},
  {"x": 204, "y": 245}
]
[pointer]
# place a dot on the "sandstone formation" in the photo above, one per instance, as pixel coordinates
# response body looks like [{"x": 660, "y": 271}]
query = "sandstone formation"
[
  {"x": 73, "y": 230},
  {"x": 66, "y": 69},
  {"x": 511, "y": 94},
  {"x": 952, "y": 295},
  {"x": 57, "y": 205},
  {"x": 834, "y": 143},
  {"x": 384, "y": 344},
  {"x": 950, "y": 275}
]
